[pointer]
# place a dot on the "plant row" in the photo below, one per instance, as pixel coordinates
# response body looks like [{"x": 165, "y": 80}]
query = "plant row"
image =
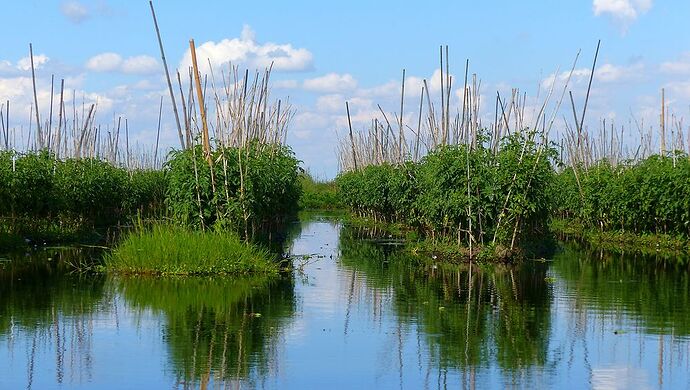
[
  {"x": 471, "y": 195},
  {"x": 38, "y": 186},
  {"x": 649, "y": 196}
]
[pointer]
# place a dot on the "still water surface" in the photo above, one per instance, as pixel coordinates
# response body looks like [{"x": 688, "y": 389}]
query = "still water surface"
[{"x": 357, "y": 314}]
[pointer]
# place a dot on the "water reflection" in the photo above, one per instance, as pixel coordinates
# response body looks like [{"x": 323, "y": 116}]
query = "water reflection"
[
  {"x": 216, "y": 329},
  {"x": 469, "y": 315},
  {"x": 47, "y": 313},
  {"x": 357, "y": 313},
  {"x": 645, "y": 293}
]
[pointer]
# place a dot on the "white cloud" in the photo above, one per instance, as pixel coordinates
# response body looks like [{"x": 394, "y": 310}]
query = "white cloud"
[
  {"x": 413, "y": 86},
  {"x": 39, "y": 61},
  {"x": 331, "y": 103},
  {"x": 606, "y": 73},
  {"x": 679, "y": 89},
  {"x": 19, "y": 90},
  {"x": 140, "y": 65},
  {"x": 680, "y": 66},
  {"x": 331, "y": 83},
  {"x": 609, "y": 73},
  {"x": 113, "y": 62},
  {"x": 74, "y": 11},
  {"x": 104, "y": 62},
  {"x": 624, "y": 12},
  {"x": 247, "y": 51}
]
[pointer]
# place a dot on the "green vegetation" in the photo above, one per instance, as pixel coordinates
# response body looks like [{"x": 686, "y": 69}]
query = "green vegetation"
[
  {"x": 318, "y": 195},
  {"x": 244, "y": 189},
  {"x": 649, "y": 196},
  {"x": 46, "y": 198},
  {"x": 653, "y": 244},
  {"x": 472, "y": 197},
  {"x": 166, "y": 249}
]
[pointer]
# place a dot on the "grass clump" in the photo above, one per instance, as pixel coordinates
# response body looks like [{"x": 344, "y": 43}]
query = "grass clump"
[{"x": 165, "y": 249}]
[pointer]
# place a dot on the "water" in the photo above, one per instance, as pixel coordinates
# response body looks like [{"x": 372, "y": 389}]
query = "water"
[{"x": 356, "y": 314}]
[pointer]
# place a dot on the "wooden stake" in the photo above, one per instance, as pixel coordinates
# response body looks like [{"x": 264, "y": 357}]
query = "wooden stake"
[
  {"x": 158, "y": 133},
  {"x": 33, "y": 80},
  {"x": 401, "y": 138},
  {"x": 352, "y": 140},
  {"x": 61, "y": 106},
  {"x": 167, "y": 77},
  {"x": 589, "y": 87},
  {"x": 663, "y": 124},
  {"x": 200, "y": 96}
]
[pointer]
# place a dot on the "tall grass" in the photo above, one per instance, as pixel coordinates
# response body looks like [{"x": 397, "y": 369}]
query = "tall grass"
[{"x": 165, "y": 249}]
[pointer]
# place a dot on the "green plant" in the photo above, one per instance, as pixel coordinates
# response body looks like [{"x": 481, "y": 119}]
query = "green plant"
[{"x": 176, "y": 250}]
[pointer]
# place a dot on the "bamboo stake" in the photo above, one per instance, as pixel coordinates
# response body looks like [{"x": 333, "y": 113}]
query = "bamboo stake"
[
  {"x": 33, "y": 81},
  {"x": 61, "y": 107},
  {"x": 187, "y": 130},
  {"x": 202, "y": 109},
  {"x": 402, "y": 100},
  {"x": 663, "y": 124},
  {"x": 5, "y": 131},
  {"x": 167, "y": 76},
  {"x": 127, "y": 162},
  {"x": 158, "y": 133},
  {"x": 419, "y": 127},
  {"x": 50, "y": 116},
  {"x": 352, "y": 141},
  {"x": 589, "y": 86}
]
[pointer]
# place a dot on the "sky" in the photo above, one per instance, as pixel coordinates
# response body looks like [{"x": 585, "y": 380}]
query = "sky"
[{"x": 327, "y": 53}]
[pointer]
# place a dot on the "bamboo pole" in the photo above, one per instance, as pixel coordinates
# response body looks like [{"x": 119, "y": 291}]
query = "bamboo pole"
[
  {"x": 352, "y": 140},
  {"x": 401, "y": 137},
  {"x": 50, "y": 116},
  {"x": 662, "y": 146},
  {"x": 158, "y": 133},
  {"x": 589, "y": 86},
  {"x": 202, "y": 109},
  {"x": 33, "y": 81},
  {"x": 167, "y": 76},
  {"x": 61, "y": 107}
]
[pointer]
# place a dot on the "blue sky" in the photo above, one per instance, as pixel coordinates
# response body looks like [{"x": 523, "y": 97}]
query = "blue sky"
[{"x": 355, "y": 51}]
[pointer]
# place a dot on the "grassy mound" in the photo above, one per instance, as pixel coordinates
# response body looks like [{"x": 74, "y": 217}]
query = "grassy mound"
[{"x": 174, "y": 250}]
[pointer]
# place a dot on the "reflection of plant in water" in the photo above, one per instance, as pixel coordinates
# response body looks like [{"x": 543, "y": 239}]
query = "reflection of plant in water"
[
  {"x": 470, "y": 315},
  {"x": 217, "y": 329},
  {"x": 42, "y": 305},
  {"x": 656, "y": 292}
]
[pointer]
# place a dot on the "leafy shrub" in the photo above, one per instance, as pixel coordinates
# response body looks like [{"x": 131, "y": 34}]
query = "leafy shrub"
[
  {"x": 317, "y": 195},
  {"x": 649, "y": 196},
  {"x": 252, "y": 187},
  {"x": 37, "y": 189},
  {"x": 460, "y": 193}
]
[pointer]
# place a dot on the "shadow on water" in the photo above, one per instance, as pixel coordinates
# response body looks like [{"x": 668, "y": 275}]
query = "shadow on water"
[{"x": 216, "y": 329}]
